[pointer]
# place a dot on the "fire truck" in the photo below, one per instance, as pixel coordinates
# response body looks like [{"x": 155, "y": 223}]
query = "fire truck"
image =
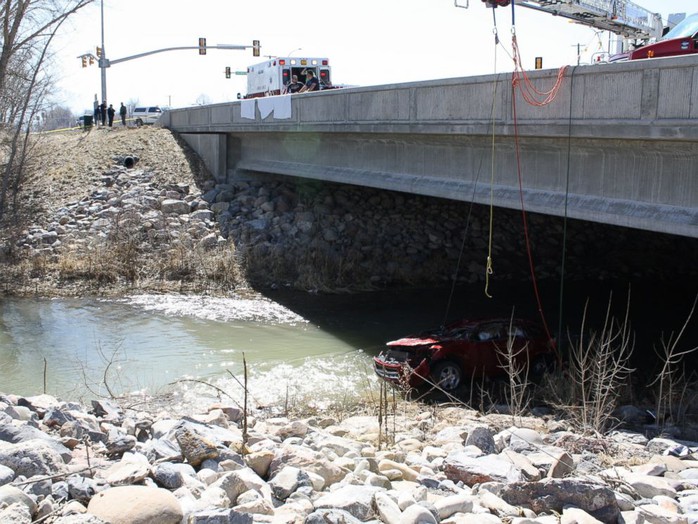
[
  {"x": 271, "y": 76},
  {"x": 621, "y": 17},
  {"x": 637, "y": 26}
]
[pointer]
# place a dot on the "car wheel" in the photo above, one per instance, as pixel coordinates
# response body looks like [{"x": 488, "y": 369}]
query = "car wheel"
[
  {"x": 447, "y": 376},
  {"x": 139, "y": 122}
]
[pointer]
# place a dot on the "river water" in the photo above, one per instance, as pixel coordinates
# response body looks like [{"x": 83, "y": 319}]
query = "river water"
[{"x": 299, "y": 347}]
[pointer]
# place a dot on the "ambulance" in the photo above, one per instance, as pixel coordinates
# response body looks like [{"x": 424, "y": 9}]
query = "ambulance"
[{"x": 270, "y": 77}]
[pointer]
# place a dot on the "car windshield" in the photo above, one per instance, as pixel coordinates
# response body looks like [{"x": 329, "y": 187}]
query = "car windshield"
[{"x": 687, "y": 27}]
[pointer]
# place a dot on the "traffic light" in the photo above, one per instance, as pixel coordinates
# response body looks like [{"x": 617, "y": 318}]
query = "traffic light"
[
  {"x": 92, "y": 59},
  {"x": 227, "y": 72},
  {"x": 99, "y": 52},
  {"x": 255, "y": 47},
  {"x": 84, "y": 61},
  {"x": 202, "y": 46},
  {"x": 539, "y": 62}
]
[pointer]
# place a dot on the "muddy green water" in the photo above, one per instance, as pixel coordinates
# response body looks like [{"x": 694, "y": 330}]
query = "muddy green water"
[{"x": 296, "y": 345}]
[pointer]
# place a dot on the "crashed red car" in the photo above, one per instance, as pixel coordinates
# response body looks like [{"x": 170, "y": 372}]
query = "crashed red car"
[
  {"x": 681, "y": 40},
  {"x": 464, "y": 350}
]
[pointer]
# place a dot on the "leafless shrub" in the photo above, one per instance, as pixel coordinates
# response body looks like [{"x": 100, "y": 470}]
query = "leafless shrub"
[
  {"x": 111, "y": 380},
  {"x": 672, "y": 383},
  {"x": 589, "y": 389},
  {"x": 124, "y": 254},
  {"x": 517, "y": 392}
]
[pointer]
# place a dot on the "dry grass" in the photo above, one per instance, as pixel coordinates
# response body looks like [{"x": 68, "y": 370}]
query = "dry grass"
[{"x": 69, "y": 167}]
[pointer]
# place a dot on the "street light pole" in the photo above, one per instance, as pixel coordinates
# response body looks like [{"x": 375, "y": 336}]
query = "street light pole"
[{"x": 103, "y": 60}]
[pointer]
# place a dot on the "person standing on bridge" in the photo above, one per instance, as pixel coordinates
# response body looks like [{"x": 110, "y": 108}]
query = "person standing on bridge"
[
  {"x": 103, "y": 112},
  {"x": 122, "y": 113},
  {"x": 311, "y": 82},
  {"x": 97, "y": 111},
  {"x": 110, "y": 113}
]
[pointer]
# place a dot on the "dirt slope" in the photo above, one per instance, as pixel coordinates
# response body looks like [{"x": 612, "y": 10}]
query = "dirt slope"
[{"x": 70, "y": 163}]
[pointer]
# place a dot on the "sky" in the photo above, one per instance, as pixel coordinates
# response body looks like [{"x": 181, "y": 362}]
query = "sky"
[{"x": 368, "y": 42}]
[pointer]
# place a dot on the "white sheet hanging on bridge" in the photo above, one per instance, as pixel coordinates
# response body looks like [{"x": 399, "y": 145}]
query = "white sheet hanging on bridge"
[
  {"x": 279, "y": 105},
  {"x": 266, "y": 106},
  {"x": 247, "y": 109},
  {"x": 282, "y": 107}
]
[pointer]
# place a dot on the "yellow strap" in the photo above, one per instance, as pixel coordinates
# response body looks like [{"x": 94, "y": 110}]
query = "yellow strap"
[{"x": 489, "y": 270}]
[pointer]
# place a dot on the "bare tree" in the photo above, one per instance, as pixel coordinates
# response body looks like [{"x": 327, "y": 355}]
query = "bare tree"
[
  {"x": 28, "y": 28},
  {"x": 55, "y": 117},
  {"x": 203, "y": 99}
]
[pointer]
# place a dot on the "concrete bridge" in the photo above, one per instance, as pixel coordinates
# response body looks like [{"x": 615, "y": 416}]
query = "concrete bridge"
[{"x": 617, "y": 145}]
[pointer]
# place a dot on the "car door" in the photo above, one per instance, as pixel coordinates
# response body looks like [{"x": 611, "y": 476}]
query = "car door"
[
  {"x": 491, "y": 341},
  {"x": 477, "y": 354}
]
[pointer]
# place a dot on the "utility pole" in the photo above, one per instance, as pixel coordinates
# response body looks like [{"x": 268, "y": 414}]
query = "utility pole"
[{"x": 103, "y": 61}]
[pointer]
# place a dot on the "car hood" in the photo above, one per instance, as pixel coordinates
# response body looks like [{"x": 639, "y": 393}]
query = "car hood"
[{"x": 413, "y": 341}]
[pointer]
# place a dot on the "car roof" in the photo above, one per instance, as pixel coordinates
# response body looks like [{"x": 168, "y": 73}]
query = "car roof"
[{"x": 473, "y": 323}]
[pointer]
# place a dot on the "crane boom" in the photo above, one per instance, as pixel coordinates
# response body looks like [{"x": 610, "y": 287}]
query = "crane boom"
[{"x": 621, "y": 17}]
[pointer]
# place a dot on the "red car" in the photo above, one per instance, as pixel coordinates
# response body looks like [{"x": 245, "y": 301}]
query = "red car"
[
  {"x": 464, "y": 350},
  {"x": 681, "y": 40}
]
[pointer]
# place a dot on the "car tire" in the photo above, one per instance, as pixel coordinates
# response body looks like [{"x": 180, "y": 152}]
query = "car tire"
[
  {"x": 447, "y": 376},
  {"x": 139, "y": 122}
]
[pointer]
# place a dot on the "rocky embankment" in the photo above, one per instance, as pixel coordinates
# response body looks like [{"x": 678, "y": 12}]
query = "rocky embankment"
[
  {"x": 63, "y": 464},
  {"x": 163, "y": 211},
  {"x": 140, "y": 205}
]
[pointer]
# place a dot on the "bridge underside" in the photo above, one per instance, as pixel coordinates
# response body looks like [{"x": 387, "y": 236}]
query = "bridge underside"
[{"x": 559, "y": 176}]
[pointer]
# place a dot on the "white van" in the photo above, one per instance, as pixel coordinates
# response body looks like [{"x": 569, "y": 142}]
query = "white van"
[{"x": 146, "y": 115}]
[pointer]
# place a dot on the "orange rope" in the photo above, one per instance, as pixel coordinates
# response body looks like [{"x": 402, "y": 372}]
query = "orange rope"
[
  {"x": 529, "y": 97},
  {"x": 529, "y": 92}
]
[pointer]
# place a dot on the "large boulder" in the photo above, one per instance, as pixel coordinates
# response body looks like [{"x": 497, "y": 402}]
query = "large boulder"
[
  {"x": 178, "y": 207},
  {"x": 483, "y": 438},
  {"x": 10, "y": 495},
  {"x": 355, "y": 500},
  {"x": 555, "y": 494},
  {"x": 136, "y": 505},
  {"x": 462, "y": 467},
  {"x": 195, "y": 448},
  {"x": 16, "y": 513},
  {"x": 34, "y": 457},
  {"x": 19, "y": 432},
  {"x": 6, "y": 475},
  {"x": 239, "y": 481},
  {"x": 308, "y": 460}
]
